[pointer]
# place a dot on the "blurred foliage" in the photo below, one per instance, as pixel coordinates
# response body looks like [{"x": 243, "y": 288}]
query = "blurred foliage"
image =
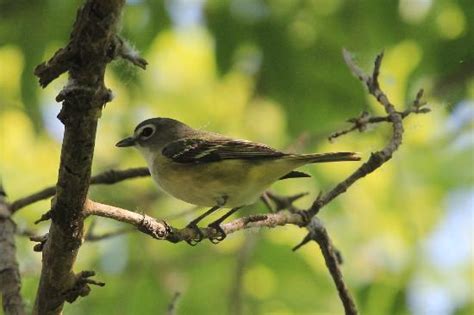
[{"x": 270, "y": 71}]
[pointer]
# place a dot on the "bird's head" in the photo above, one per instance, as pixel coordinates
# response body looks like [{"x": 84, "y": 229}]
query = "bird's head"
[{"x": 153, "y": 134}]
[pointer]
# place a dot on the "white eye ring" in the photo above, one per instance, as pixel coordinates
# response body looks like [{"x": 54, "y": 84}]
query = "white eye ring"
[{"x": 146, "y": 132}]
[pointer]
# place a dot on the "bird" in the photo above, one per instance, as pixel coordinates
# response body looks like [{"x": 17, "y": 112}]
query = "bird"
[{"x": 208, "y": 169}]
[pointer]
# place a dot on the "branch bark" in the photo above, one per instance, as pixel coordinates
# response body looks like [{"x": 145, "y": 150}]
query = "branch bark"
[
  {"x": 333, "y": 260},
  {"x": 92, "y": 45},
  {"x": 10, "y": 281},
  {"x": 160, "y": 230}
]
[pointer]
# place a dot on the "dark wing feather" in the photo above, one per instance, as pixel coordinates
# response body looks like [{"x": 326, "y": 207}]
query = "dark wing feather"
[
  {"x": 193, "y": 150},
  {"x": 294, "y": 174}
]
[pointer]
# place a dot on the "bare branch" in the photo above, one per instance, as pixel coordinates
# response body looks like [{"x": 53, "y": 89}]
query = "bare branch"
[
  {"x": 316, "y": 231},
  {"x": 333, "y": 260},
  {"x": 361, "y": 122},
  {"x": 91, "y": 47},
  {"x": 10, "y": 281},
  {"x": 377, "y": 158},
  {"x": 159, "y": 229},
  {"x": 108, "y": 177},
  {"x": 90, "y": 237}
]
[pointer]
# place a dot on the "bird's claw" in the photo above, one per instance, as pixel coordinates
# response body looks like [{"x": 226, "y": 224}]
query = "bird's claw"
[
  {"x": 220, "y": 234},
  {"x": 305, "y": 216},
  {"x": 197, "y": 230}
]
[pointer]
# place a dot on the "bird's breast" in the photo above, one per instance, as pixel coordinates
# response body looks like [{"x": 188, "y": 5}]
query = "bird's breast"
[{"x": 238, "y": 182}]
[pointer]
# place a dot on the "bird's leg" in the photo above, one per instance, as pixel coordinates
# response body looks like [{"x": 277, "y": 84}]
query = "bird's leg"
[
  {"x": 217, "y": 226},
  {"x": 193, "y": 225}
]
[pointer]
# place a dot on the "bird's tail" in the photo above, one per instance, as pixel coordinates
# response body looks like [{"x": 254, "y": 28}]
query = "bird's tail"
[{"x": 328, "y": 157}]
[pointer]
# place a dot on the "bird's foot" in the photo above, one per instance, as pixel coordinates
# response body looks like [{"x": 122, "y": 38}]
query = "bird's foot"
[
  {"x": 219, "y": 235},
  {"x": 305, "y": 216},
  {"x": 197, "y": 231}
]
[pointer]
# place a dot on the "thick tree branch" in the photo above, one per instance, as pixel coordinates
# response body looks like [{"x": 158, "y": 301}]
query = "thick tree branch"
[
  {"x": 10, "y": 281},
  {"x": 108, "y": 177},
  {"x": 92, "y": 45}
]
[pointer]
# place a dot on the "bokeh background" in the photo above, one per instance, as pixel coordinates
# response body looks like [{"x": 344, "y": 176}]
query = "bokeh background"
[{"x": 270, "y": 71}]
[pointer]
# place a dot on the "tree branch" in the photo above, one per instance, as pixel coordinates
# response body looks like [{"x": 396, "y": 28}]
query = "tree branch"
[
  {"x": 377, "y": 158},
  {"x": 10, "y": 280},
  {"x": 160, "y": 230},
  {"x": 361, "y": 122},
  {"x": 333, "y": 260},
  {"x": 108, "y": 177},
  {"x": 91, "y": 47}
]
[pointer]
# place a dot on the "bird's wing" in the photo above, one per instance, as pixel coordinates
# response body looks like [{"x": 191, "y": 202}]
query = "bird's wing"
[{"x": 195, "y": 150}]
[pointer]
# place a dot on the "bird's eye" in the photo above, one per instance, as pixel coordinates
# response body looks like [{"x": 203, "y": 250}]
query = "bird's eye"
[{"x": 147, "y": 132}]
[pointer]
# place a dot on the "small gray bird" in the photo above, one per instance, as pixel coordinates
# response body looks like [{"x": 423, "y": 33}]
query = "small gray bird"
[{"x": 208, "y": 169}]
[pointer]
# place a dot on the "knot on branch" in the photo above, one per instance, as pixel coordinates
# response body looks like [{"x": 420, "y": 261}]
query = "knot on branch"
[
  {"x": 158, "y": 229},
  {"x": 78, "y": 98},
  {"x": 81, "y": 286},
  {"x": 361, "y": 121}
]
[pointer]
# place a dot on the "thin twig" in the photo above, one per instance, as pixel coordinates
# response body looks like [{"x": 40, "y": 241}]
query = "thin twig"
[
  {"x": 377, "y": 158},
  {"x": 362, "y": 122},
  {"x": 108, "y": 177},
  {"x": 90, "y": 237},
  {"x": 333, "y": 262}
]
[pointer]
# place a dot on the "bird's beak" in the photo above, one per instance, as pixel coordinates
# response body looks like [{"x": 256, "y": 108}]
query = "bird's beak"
[{"x": 127, "y": 142}]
